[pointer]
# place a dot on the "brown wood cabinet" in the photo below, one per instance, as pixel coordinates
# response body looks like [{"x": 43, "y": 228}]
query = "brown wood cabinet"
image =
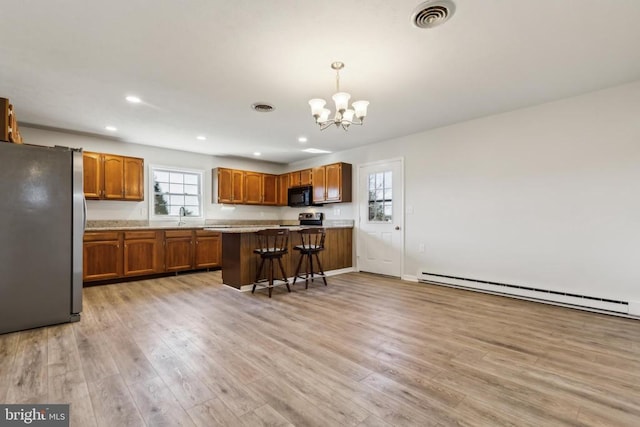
[
  {"x": 142, "y": 252},
  {"x": 269, "y": 189},
  {"x": 115, "y": 254},
  {"x": 102, "y": 255},
  {"x": 230, "y": 185},
  {"x": 253, "y": 188},
  {"x": 283, "y": 190},
  {"x": 133, "y": 178},
  {"x": 93, "y": 175},
  {"x": 301, "y": 177},
  {"x": 113, "y": 177},
  {"x": 244, "y": 187},
  {"x": 332, "y": 183},
  {"x": 319, "y": 185},
  {"x": 208, "y": 250},
  {"x": 113, "y": 168},
  {"x": 178, "y": 250}
]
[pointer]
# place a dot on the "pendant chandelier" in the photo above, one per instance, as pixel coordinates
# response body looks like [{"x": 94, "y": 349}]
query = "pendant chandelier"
[{"x": 344, "y": 116}]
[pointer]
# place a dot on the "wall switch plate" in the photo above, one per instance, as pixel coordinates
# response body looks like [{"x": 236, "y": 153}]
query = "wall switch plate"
[
  {"x": 421, "y": 247},
  {"x": 336, "y": 211}
]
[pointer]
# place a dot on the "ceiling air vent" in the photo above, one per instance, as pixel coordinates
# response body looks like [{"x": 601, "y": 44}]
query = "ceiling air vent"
[
  {"x": 433, "y": 13},
  {"x": 262, "y": 107}
]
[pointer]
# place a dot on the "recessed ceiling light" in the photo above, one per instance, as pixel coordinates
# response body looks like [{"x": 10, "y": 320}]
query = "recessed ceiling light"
[
  {"x": 302, "y": 139},
  {"x": 133, "y": 99},
  {"x": 111, "y": 128},
  {"x": 201, "y": 137},
  {"x": 257, "y": 153},
  {"x": 316, "y": 151}
]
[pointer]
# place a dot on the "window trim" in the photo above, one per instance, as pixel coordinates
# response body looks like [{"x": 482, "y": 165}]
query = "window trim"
[{"x": 199, "y": 172}]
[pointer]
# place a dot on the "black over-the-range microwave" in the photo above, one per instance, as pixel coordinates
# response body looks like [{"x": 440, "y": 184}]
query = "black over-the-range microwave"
[{"x": 301, "y": 196}]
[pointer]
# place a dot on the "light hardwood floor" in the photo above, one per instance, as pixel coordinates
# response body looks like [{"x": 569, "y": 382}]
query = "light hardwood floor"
[{"x": 364, "y": 351}]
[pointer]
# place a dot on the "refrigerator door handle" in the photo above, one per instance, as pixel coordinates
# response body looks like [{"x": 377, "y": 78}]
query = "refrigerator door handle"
[{"x": 84, "y": 214}]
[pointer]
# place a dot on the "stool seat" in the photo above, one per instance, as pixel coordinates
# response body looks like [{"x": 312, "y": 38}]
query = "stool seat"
[
  {"x": 272, "y": 245},
  {"x": 312, "y": 244}
]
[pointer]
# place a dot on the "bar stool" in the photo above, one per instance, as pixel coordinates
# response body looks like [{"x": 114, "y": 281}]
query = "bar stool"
[
  {"x": 312, "y": 244},
  {"x": 272, "y": 245}
]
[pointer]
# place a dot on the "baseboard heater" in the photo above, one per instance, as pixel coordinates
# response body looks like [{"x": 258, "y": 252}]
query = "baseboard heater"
[{"x": 528, "y": 292}]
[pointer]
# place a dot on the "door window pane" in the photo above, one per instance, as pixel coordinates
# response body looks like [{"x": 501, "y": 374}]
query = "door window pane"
[{"x": 380, "y": 197}]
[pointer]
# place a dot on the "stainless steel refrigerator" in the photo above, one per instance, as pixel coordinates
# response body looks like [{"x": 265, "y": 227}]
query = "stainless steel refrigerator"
[{"x": 42, "y": 215}]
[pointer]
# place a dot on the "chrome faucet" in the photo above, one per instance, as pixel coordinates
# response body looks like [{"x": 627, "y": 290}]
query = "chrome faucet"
[{"x": 182, "y": 213}]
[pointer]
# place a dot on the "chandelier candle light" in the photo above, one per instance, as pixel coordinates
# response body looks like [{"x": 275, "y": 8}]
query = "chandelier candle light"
[{"x": 344, "y": 116}]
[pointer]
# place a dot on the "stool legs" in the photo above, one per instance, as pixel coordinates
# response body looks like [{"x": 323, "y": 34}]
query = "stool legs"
[
  {"x": 270, "y": 274},
  {"x": 320, "y": 269},
  {"x": 307, "y": 258}
]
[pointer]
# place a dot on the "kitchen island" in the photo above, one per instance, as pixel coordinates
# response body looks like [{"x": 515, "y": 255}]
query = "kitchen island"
[{"x": 239, "y": 263}]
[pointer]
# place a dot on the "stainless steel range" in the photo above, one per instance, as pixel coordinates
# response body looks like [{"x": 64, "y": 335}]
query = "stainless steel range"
[{"x": 311, "y": 218}]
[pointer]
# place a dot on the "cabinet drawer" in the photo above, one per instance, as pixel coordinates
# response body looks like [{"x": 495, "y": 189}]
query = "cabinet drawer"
[
  {"x": 206, "y": 233},
  {"x": 93, "y": 236},
  {"x": 177, "y": 233},
  {"x": 139, "y": 235}
]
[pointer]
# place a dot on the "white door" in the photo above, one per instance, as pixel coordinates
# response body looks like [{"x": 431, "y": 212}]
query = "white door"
[{"x": 381, "y": 217}]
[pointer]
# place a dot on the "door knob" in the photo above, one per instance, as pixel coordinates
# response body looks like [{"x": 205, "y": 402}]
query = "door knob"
[{"x": 397, "y": 227}]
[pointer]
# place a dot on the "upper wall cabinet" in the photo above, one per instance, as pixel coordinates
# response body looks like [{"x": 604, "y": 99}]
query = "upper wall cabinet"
[
  {"x": 299, "y": 178},
  {"x": 332, "y": 183},
  {"x": 112, "y": 177},
  {"x": 230, "y": 185},
  {"x": 282, "y": 189},
  {"x": 244, "y": 187}
]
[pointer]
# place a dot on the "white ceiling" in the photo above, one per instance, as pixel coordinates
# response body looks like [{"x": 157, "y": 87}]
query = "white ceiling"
[{"x": 199, "y": 65}]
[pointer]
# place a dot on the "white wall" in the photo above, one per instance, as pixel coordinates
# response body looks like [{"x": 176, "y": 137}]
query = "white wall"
[
  {"x": 546, "y": 197},
  {"x": 104, "y": 209}
]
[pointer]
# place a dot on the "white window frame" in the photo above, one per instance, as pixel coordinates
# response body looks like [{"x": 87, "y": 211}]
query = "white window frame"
[{"x": 199, "y": 172}]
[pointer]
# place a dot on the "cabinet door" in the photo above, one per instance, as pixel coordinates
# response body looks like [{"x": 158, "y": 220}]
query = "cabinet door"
[
  {"x": 142, "y": 251},
  {"x": 319, "y": 189},
  {"x": 101, "y": 260},
  {"x": 269, "y": 189},
  {"x": 237, "y": 186},
  {"x": 306, "y": 177},
  {"x": 208, "y": 250},
  {"x": 283, "y": 189},
  {"x": 92, "y": 174},
  {"x": 253, "y": 188},
  {"x": 178, "y": 253},
  {"x": 133, "y": 178},
  {"x": 225, "y": 185},
  {"x": 294, "y": 179},
  {"x": 113, "y": 176},
  {"x": 333, "y": 178}
]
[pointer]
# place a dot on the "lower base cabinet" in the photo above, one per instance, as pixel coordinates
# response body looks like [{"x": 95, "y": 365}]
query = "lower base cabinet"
[
  {"x": 102, "y": 256},
  {"x": 142, "y": 250},
  {"x": 109, "y": 255},
  {"x": 208, "y": 248},
  {"x": 178, "y": 250}
]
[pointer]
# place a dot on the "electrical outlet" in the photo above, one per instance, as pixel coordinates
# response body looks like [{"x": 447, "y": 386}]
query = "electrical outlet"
[
  {"x": 336, "y": 211},
  {"x": 421, "y": 247}
]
